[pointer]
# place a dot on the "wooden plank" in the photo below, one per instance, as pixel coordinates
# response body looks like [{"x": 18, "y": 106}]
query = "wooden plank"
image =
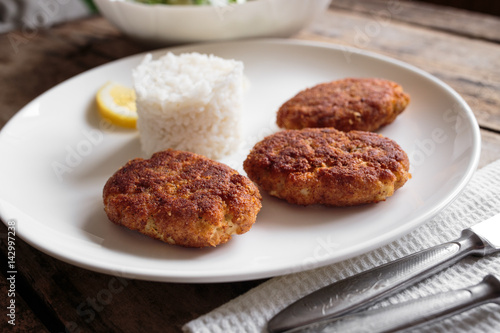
[
  {"x": 471, "y": 67},
  {"x": 435, "y": 17},
  {"x": 490, "y": 148},
  {"x": 483, "y": 6},
  {"x": 22, "y": 319}
]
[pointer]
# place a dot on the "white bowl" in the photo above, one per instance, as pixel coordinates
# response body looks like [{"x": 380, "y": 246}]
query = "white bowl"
[{"x": 168, "y": 24}]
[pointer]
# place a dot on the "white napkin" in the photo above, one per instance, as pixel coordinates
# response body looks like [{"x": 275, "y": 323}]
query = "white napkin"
[{"x": 480, "y": 200}]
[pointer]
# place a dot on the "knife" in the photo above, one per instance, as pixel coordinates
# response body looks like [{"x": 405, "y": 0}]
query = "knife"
[
  {"x": 410, "y": 314},
  {"x": 359, "y": 291}
]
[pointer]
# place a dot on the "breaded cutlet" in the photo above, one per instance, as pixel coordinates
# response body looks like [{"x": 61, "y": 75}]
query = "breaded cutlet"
[
  {"x": 327, "y": 166},
  {"x": 182, "y": 198},
  {"x": 364, "y": 104}
]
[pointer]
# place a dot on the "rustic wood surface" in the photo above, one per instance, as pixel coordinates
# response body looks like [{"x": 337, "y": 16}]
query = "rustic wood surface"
[{"x": 461, "y": 48}]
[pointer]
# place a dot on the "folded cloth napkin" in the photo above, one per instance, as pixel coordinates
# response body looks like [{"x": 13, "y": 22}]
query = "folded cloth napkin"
[{"x": 480, "y": 200}]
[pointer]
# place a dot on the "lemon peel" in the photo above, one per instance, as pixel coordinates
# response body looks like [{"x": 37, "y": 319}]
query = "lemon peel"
[{"x": 116, "y": 103}]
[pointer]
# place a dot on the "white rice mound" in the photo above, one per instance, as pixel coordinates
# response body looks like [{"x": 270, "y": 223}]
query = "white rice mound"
[{"x": 189, "y": 102}]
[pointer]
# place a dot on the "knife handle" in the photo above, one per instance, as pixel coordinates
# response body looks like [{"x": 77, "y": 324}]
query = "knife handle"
[
  {"x": 414, "y": 313},
  {"x": 361, "y": 290}
]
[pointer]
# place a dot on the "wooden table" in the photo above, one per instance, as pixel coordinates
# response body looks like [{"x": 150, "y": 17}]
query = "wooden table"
[{"x": 461, "y": 48}]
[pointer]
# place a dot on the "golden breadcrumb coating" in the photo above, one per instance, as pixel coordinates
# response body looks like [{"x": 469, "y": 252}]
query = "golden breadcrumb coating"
[
  {"x": 182, "y": 198},
  {"x": 364, "y": 104},
  {"x": 328, "y": 166}
]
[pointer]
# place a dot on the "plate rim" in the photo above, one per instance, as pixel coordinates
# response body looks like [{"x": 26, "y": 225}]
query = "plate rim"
[{"x": 221, "y": 277}]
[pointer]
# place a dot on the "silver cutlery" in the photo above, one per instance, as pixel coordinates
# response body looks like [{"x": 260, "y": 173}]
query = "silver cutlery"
[
  {"x": 359, "y": 291},
  {"x": 413, "y": 313}
]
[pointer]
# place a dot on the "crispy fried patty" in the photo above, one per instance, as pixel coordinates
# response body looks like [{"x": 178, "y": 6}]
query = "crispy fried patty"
[
  {"x": 348, "y": 104},
  {"x": 328, "y": 166},
  {"x": 182, "y": 198}
]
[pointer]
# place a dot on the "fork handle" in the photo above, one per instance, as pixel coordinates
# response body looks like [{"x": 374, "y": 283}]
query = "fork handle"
[
  {"x": 359, "y": 291},
  {"x": 417, "y": 312}
]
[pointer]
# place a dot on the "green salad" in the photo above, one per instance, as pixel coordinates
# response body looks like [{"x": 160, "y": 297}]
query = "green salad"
[{"x": 191, "y": 2}]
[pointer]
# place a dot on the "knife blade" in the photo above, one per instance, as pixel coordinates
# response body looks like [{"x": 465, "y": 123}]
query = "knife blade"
[{"x": 361, "y": 290}]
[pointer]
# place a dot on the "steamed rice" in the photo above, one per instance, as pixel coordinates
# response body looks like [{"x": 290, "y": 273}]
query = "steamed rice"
[{"x": 189, "y": 102}]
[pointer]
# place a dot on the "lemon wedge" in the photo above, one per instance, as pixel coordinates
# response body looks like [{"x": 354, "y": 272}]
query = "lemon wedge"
[{"x": 116, "y": 103}]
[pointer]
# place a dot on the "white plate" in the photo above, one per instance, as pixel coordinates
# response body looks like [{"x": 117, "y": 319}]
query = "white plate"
[{"x": 57, "y": 156}]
